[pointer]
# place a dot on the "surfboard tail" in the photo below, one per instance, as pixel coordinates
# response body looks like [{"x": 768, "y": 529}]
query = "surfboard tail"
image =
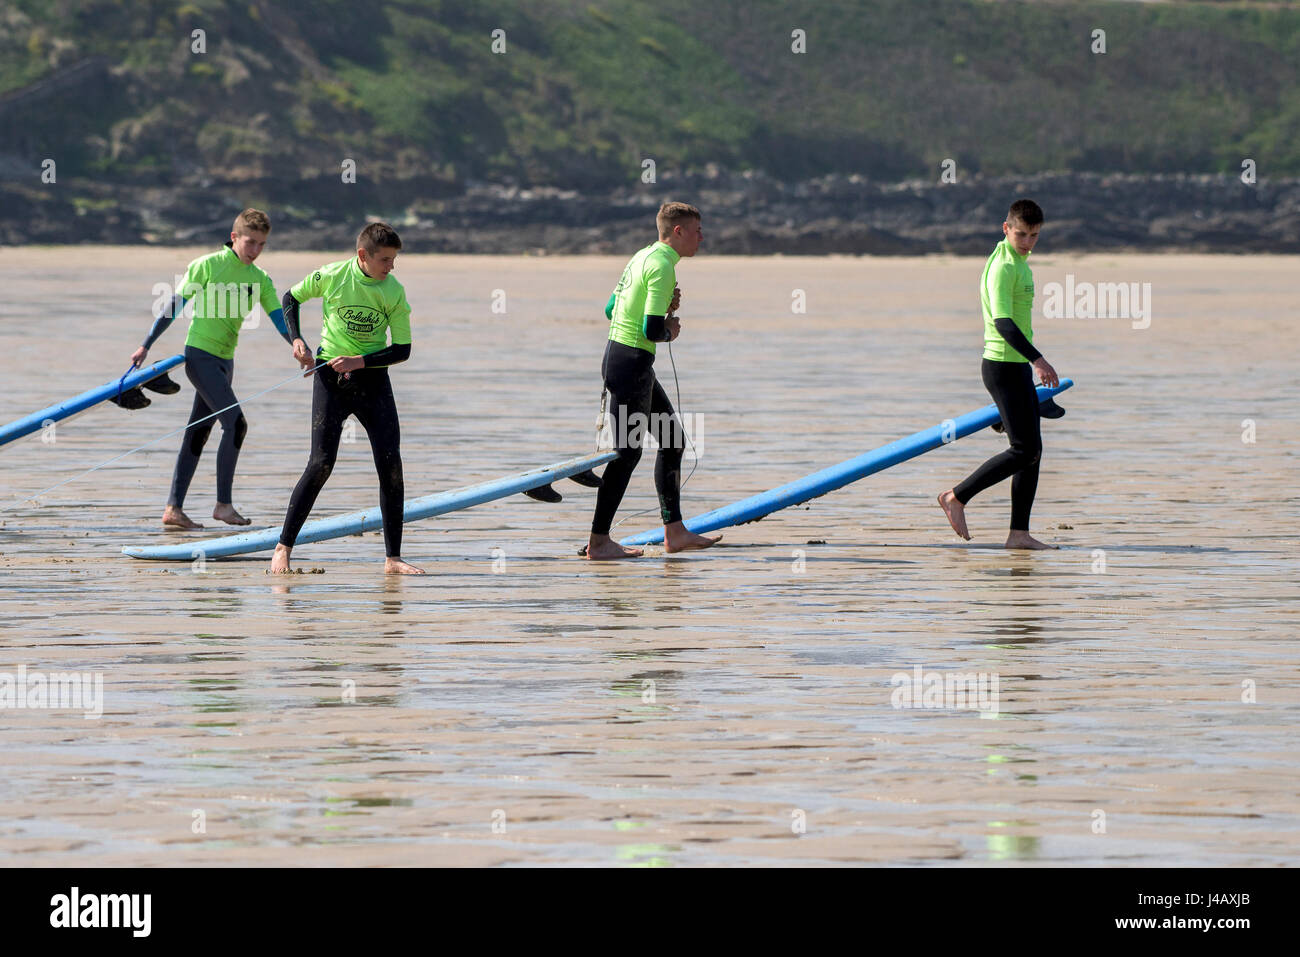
[
  {"x": 118, "y": 388},
  {"x": 845, "y": 473},
  {"x": 354, "y": 522}
]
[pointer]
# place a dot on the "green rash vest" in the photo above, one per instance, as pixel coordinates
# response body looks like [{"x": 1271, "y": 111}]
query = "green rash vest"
[
  {"x": 224, "y": 291},
  {"x": 358, "y": 311},
  {"x": 645, "y": 289},
  {"x": 1006, "y": 289}
]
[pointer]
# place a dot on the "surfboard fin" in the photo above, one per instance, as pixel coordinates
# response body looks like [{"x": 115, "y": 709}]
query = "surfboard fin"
[
  {"x": 163, "y": 385},
  {"x": 589, "y": 479},
  {"x": 132, "y": 399},
  {"x": 1048, "y": 409},
  {"x": 545, "y": 493}
]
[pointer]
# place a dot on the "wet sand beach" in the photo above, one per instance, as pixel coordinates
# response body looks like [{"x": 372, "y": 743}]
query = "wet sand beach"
[{"x": 520, "y": 706}]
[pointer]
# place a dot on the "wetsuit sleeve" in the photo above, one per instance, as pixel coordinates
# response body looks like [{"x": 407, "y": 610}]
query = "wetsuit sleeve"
[
  {"x": 277, "y": 320},
  {"x": 609, "y": 306},
  {"x": 397, "y": 352},
  {"x": 290, "y": 314},
  {"x": 654, "y": 328},
  {"x": 1009, "y": 331},
  {"x": 163, "y": 320},
  {"x": 266, "y": 296},
  {"x": 659, "y": 284}
]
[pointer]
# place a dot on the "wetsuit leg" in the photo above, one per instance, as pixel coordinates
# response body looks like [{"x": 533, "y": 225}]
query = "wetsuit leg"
[
  {"x": 670, "y": 435},
  {"x": 1012, "y": 386},
  {"x": 192, "y": 442},
  {"x": 211, "y": 376},
  {"x": 331, "y": 404},
  {"x": 629, "y": 377},
  {"x": 376, "y": 410}
]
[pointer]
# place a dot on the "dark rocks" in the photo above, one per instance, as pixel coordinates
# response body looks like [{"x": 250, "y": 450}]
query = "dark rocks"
[{"x": 746, "y": 213}]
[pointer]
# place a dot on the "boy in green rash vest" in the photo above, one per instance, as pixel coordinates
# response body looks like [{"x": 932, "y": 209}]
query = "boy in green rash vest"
[
  {"x": 1010, "y": 359},
  {"x": 224, "y": 286},
  {"x": 641, "y": 313},
  {"x": 363, "y": 305}
]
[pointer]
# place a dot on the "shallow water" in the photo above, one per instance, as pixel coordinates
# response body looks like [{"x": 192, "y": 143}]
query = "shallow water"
[{"x": 518, "y": 706}]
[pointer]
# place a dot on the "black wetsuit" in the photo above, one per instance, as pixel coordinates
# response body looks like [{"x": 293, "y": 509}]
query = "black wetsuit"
[
  {"x": 1011, "y": 384},
  {"x": 211, "y": 377},
  {"x": 366, "y": 393},
  {"x": 638, "y": 404}
]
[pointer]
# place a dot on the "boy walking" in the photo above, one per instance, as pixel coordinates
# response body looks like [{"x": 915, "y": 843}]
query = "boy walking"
[
  {"x": 363, "y": 304},
  {"x": 640, "y": 311},
  {"x": 224, "y": 286},
  {"x": 1010, "y": 359}
]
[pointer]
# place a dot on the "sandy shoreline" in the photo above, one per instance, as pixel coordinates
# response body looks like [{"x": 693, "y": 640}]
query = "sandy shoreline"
[{"x": 514, "y": 677}]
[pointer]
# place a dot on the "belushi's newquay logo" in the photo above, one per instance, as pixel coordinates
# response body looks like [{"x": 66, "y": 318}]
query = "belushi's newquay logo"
[{"x": 360, "y": 319}]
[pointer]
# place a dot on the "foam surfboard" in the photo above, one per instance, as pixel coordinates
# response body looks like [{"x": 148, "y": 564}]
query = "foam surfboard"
[
  {"x": 837, "y": 476},
  {"x": 439, "y": 503},
  {"x": 55, "y": 413}
]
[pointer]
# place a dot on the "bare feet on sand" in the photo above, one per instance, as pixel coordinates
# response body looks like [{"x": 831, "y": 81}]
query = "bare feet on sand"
[
  {"x": 392, "y": 566},
  {"x": 225, "y": 512},
  {"x": 956, "y": 513},
  {"x": 395, "y": 566},
  {"x": 280, "y": 560},
  {"x": 678, "y": 539},
  {"x": 1026, "y": 541},
  {"x": 602, "y": 548},
  {"x": 173, "y": 517}
]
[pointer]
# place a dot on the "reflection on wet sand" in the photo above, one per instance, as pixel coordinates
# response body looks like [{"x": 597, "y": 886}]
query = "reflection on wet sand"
[{"x": 520, "y": 705}]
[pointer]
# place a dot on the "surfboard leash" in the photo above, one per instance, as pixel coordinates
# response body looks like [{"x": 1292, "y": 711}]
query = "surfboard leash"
[
  {"x": 32, "y": 498},
  {"x": 677, "y": 389},
  {"x": 122, "y": 381}
]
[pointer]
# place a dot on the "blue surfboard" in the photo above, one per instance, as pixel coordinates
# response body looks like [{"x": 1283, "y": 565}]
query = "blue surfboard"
[
  {"x": 371, "y": 519},
  {"x": 55, "y": 413},
  {"x": 837, "y": 476}
]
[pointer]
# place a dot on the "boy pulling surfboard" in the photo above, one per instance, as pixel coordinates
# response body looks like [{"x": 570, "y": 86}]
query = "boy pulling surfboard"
[
  {"x": 1010, "y": 360},
  {"x": 224, "y": 286},
  {"x": 363, "y": 305},
  {"x": 641, "y": 313}
]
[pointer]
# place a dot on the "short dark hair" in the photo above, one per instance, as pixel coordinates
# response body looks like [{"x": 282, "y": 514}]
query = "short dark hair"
[
  {"x": 670, "y": 214},
  {"x": 1027, "y": 211},
  {"x": 378, "y": 236},
  {"x": 251, "y": 220}
]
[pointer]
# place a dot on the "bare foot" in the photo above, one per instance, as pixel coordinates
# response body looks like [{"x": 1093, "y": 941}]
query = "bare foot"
[
  {"x": 1027, "y": 541},
  {"x": 225, "y": 512},
  {"x": 280, "y": 560},
  {"x": 956, "y": 513},
  {"x": 602, "y": 548},
  {"x": 173, "y": 517},
  {"x": 678, "y": 539},
  {"x": 395, "y": 566}
]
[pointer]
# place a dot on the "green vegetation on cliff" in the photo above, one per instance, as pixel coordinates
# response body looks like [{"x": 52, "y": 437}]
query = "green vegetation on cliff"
[{"x": 586, "y": 90}]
